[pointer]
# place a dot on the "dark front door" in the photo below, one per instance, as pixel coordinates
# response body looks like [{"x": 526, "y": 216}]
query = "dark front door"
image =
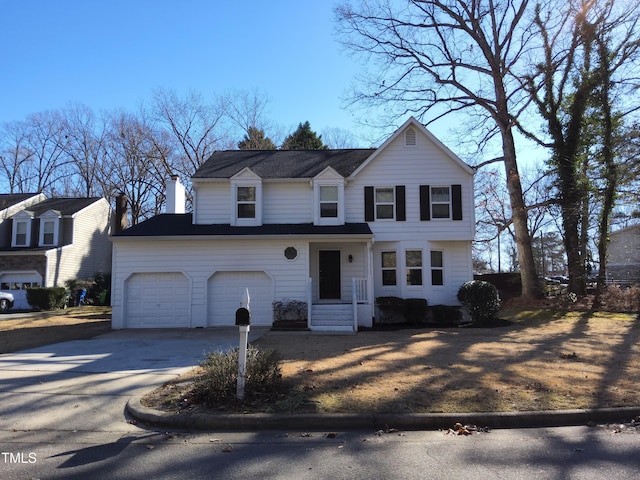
[{"x": 329, "y": 261}]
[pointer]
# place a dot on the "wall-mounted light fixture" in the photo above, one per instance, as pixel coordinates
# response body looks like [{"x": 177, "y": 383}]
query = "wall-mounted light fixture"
[{"x": 350, "y": 258}]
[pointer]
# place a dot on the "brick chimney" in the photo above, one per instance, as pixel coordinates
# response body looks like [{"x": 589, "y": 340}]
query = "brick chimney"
[{"x": 175, "y": 196}]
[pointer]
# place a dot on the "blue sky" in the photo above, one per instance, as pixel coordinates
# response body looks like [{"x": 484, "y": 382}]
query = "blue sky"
[{"x": 111, "y": 54}]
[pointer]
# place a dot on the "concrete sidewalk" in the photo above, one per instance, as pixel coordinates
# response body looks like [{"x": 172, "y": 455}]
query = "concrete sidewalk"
[{"x": 85, "y": 384}]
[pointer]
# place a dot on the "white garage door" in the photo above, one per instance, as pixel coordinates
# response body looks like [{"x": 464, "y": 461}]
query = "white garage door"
[
  {"x": 226, "y": 290},
  {"x": 17, "y": 283},
  {"x": 157, "y": 300}
]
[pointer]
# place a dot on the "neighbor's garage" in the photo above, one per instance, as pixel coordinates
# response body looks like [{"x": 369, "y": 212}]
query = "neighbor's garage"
[
  {"x": 17, "y": 284},
  {"x": 226, "y": 290},
  {"x": 157, "y": 300}
]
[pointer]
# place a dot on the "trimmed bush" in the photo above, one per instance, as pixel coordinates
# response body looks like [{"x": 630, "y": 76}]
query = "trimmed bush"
[
  {"x": 446, "y": 315},
  {"x": 416, "y": 310},
  {"x": 218, "y": 384},
  {"x": 46, "y": 298},
  {"x": 481, "y": 299},
  {"x": 392, "y": 309}
]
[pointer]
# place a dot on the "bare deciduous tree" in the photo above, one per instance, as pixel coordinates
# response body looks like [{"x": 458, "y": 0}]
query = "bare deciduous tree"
[{"x": 440, "y": 57}]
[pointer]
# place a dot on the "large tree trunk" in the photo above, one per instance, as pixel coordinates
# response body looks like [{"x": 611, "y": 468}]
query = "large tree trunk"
[{"x": 528, "y": 276}]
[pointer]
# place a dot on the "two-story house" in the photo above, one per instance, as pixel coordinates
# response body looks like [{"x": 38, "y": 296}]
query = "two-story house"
[
  {"x": 44, "y": 242},
  {"x": 333, "y": 228}
]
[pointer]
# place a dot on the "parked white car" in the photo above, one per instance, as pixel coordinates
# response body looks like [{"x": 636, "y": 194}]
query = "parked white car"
[{"x": 6, "y": 301}]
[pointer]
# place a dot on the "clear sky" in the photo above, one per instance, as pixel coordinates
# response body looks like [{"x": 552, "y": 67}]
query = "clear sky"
[{"x": 110, "y": 54}]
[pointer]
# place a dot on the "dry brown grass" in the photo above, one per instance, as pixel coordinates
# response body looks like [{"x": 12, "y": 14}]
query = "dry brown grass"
[
  {"x": 544, "y": 360},
  {"x": 45, "y": 328}
]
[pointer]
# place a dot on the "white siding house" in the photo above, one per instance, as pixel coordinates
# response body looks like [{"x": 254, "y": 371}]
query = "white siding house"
[
  {"x": 332, "y": 228},
  {"x": 46, "y": 242}
]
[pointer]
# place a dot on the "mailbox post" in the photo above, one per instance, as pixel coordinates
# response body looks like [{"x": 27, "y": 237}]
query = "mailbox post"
[{"x": 243, "y": 320}]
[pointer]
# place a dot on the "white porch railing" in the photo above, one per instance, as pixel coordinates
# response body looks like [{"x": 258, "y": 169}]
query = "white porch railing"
[{"x": 359, "y": 295}]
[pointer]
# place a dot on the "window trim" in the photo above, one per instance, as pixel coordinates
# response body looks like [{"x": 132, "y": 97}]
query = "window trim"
[
  {"x": 318, "y": 219},
  {"x": 432, "y": 203},
  {"x": 14, "y": 235},
  {"x": 55, "y": 220},
  {"x": 439, "y": 268},
  {"x": 237, "y": 220},
  {"x": 392, "y": 203},
  {"x": 388, "y": 269},
  {"x": 408, "y": 268}
]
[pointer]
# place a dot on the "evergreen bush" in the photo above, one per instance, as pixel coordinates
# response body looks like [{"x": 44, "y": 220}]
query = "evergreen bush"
[
  {"x": 46, "y": 298},
  {"x": 481, "y": 299}
]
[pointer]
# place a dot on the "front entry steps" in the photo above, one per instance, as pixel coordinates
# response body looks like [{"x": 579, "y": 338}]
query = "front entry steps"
[{"x": 332, "y": 317}]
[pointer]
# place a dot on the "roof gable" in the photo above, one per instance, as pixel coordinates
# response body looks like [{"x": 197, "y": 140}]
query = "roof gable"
[{"x": 430, "y": 137}]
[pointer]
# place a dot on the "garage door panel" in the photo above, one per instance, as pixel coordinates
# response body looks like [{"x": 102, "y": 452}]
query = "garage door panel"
[
  {"x": 226, "y": 290},
  {"x": 157, "y": 300}
]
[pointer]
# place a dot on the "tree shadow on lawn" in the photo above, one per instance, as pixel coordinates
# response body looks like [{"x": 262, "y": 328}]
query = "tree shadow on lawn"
[{"x": 528, "y": 365}]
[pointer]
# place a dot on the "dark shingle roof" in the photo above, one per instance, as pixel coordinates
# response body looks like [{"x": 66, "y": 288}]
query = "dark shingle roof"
[
  {"x": 179, "y": 225},
  {"x": 66, "y": 206},
  {"x": 9, "y": 199},
  {"x": 283, "y": 163}
]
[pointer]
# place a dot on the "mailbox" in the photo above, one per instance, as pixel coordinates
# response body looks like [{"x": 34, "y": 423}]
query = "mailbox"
[{"x": 243, "y": 316}]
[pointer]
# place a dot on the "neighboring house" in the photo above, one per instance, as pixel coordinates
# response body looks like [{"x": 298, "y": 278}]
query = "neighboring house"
[
  {"x": 45, "y": 242},
  {"x": 623, "y": 256},
  {"x": 333, "y": 228}
]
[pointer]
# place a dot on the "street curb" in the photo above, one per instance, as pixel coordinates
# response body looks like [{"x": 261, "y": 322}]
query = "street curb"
[{"x": 374, "y": 421}]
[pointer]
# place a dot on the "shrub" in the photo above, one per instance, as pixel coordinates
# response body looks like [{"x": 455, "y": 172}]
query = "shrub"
[
  {"x": 218, "y": 383},
  {"x": 481, "y": 299},
  {"x": 392, "y": 309},
  {"x": 416, "y": 310},
  {"x": 46, "y": 298},
  {"x": 621, "y": 299},
  {"x": 446, "y": 315},
  {"x": 289, "y": 309}
]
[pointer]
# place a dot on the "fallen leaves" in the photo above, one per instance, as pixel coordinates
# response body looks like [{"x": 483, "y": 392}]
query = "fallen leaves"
[{"x": 460, "y": 429}]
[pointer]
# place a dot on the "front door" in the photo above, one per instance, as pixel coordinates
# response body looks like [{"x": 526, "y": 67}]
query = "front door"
[{"x": 329, "y": 282}]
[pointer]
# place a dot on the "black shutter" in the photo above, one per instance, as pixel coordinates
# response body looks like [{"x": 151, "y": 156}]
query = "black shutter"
[
  {"x": 425, "y": 207},
  {"x": 401, "y": 213},
  {"x": 456, "y": 201},
  {"x": 369, "y": 206}
]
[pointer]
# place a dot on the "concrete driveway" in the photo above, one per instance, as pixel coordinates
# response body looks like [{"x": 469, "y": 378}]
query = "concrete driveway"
[{"x": 85, "y": 384}]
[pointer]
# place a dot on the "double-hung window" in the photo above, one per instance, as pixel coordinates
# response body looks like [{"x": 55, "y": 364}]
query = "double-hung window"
[
  {"x": 246, "y": 202},
  {"x": 437, "y": 268},
  {"x": 385, "y": 202},
  {"x": 413, "y": 260},
  {"x": 388, "y": 268},
  {"x": 328, "y": 201},
  {"x": 48, "y": 232},
  {"x": 440, "y": 202},
  {"x": 21, "y": 234}
]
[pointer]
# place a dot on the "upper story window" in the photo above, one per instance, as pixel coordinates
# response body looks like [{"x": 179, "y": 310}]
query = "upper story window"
[
  {"x": 48, "y": 232},
  {"x": 328, "y": 201},
  {"x": 440, "y": 202},
  {"x": 246, "y": 202},
  {"x": 246, "y": 199},
  {"x": 21, "y": 233},
  {"x": 328, "y": 195},
  {"x": 49, "y": 226},
  {"x": 443, "y": 202},
  {"x": 385, "y": 202}
]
